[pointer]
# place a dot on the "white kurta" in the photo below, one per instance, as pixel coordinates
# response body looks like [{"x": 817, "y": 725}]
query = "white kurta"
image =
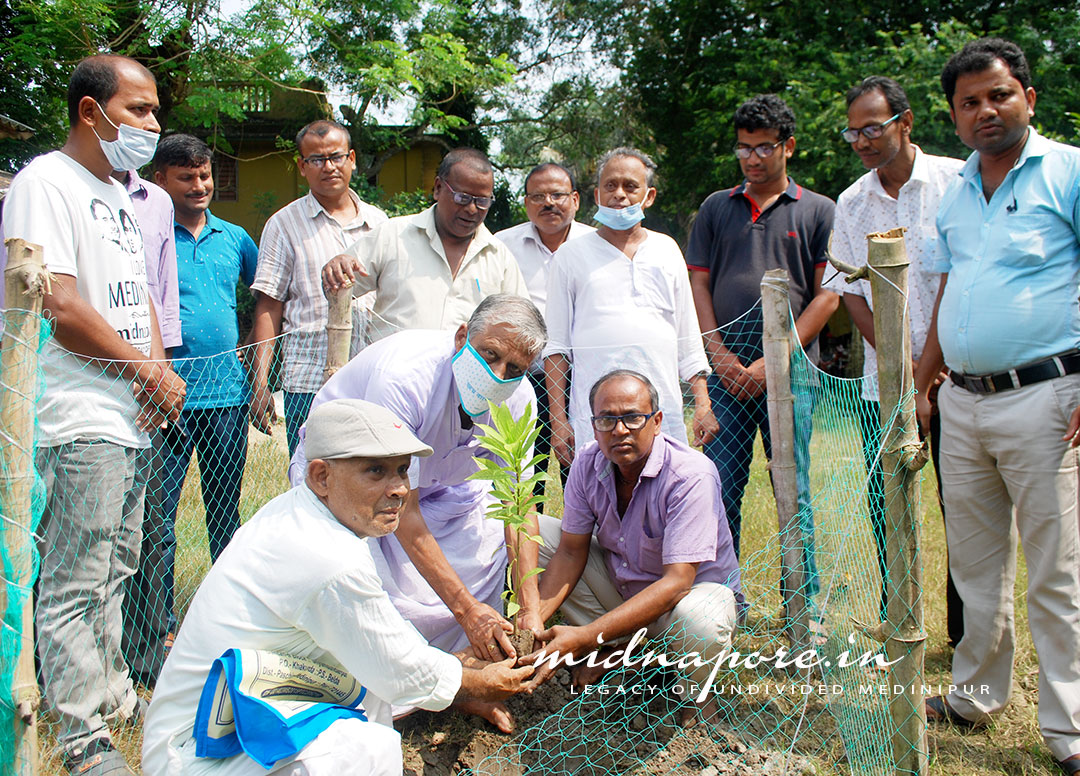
[
  {"x": 606, "y": 311},
  {"x": 409, "y": 373},
  {"x": 295, "y": 581}
]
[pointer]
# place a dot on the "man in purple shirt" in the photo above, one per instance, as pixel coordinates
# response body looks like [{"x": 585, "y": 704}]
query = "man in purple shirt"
[{"x": 639, "y": 544}]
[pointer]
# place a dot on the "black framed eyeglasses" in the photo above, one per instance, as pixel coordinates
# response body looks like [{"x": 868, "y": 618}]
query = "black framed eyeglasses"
[
  {"x": 463, "y": 199},
  {"x": 764, "y": 151},
  {"x": 320, "y": 161},
  {"x": 556, "y": 197},
  {"x": 633, "y": 421},
  {"x": 872, "y": 132}
]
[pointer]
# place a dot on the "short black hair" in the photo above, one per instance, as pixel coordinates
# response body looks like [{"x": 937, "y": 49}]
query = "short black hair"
[
  {"x": 766, "y": 111},
  {"x": 478, "y": 160},
  {"x": 892, "y": 92},
  {"x": 654, "y": 397},
  {"x": 322, "y": 128},
  {"x": 95, "y": 77},
  {"x": 544, "y": 166},
  {"x": 979, "y": 55},
  {"x": 181, "y": 151}
]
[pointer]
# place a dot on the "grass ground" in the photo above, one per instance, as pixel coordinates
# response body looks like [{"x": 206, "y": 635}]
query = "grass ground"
[{"x": 1012, "y": 745}]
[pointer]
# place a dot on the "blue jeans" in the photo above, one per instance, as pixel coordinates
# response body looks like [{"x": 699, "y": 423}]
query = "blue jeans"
[
  {"x": 220, "y": 437},
  {"x": 733, "y": 449},
  {"x": 297, "y": 407}
]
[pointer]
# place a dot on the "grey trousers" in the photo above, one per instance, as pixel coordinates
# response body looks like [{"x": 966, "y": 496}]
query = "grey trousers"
[
  {"x": 89, "y": 544},
  {"x": 1007, "y": 474}
]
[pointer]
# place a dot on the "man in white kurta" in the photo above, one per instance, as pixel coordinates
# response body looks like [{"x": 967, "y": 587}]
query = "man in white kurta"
[
  {"x": 300, "y": 579},
  {"x": 620, "y": 298},
  {"x": 411, "y": 374}
]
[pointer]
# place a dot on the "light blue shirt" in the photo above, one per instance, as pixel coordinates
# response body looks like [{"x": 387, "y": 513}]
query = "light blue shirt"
[
  {"x": 1013, "y": 262},
  {"x": 209, "y": 269}
]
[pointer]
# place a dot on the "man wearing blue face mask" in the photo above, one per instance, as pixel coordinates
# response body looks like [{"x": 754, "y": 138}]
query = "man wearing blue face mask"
[
  {"x": 94, "y": 414},
  {"x": 619, "y": 298},
  {"x": 445, "y": 566}
]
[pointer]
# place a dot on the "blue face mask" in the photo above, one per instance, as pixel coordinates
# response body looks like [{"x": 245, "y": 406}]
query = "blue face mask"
[
  {"x": 620, "y": 218},
  {"x": 477, "y": 384}
]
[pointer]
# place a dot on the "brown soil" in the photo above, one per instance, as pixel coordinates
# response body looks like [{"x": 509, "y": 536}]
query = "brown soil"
[{"x": 522, "y": 641}]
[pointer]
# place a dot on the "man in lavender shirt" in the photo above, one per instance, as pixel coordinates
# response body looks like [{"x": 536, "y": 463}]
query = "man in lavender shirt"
[{"x": 639, "y": 544}]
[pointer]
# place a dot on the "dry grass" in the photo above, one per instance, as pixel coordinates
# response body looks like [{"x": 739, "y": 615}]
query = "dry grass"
[{"x": 1011, "y": 746}]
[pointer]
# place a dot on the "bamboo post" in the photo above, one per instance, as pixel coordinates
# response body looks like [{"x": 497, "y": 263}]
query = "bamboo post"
[
  {"x": 338, "y": 329},
  {"x": 903, "y": 455},
  {"x": 26, "y": 281},
  {"x": 781, "y": 402}
]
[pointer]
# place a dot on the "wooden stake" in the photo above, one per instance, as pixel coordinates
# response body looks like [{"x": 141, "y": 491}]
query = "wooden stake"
[
  {"x": 26, "y": 281},
  {"x": 781, "y": 402},
  {"x": 338, "y": 330},
  {"x": 903, "y": 455}
]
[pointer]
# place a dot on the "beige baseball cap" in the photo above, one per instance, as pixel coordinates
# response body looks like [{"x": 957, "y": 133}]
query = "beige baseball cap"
[{"x": 353, "y": 428}]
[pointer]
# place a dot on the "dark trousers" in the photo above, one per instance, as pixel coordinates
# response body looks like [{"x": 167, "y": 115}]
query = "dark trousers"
[
  {"x": 543, "y": 415},
  {"x": 220, "y": 437},
  {"x": 870, "y": 428},
  {"x": 297, "y": 407}
]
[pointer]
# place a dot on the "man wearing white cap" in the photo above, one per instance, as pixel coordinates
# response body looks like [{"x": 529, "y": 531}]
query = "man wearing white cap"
[
  {"x": 299, "y": 580},
  {"x": 445, "y": 568}
]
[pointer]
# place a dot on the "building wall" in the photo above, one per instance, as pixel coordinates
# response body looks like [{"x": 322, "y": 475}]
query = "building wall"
[
  {"x": 410, "y": 170},
  {"x": 266, "y": 181}
]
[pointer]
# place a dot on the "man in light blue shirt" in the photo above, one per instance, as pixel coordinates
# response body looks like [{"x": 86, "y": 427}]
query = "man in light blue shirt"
[
  {"x": 212, "y": 256},
  {"x": 1008, "y": 326}
]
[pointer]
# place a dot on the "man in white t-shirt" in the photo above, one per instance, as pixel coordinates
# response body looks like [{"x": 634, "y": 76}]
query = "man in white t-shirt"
[
  {"x": 300, "y": 579},
  {"x": 902, "y": 188},
  {"x": 620, "y": 298},
  {"x": 106, "y": 382}
]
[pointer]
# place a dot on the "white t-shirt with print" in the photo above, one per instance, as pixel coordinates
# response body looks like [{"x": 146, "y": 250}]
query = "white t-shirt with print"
[{"x": 88, "y": 230}]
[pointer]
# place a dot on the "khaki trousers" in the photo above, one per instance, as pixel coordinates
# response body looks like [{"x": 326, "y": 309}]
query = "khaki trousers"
[
  {"x": 702, "y": 622},
  {"x": 1006, "y": 473}
]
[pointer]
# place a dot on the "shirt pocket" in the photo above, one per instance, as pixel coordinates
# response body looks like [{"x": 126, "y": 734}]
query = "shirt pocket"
[
  {"x": 653, "y": 287},
  {"x": 652, "y": 555},
  {"x": 1023, "y": 240}
]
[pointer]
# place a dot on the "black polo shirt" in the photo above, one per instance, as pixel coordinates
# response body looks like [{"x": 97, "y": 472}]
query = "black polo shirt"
[{"x": 736, "y": 243}]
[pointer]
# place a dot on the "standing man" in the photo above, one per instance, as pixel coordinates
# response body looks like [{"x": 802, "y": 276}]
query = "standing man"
[
  {"x": 1008, "y": 328},
  {"x": 296, "y": 242},
  {"x": 551, "y": 203},
  {"x": 213, "y": 256},
  {"x": 766, "y": 222},
  {"x": 619, "y": 297},
  {"x": 105, "y": 383},
  {"x": 431, "y": 270},
  {"x": 902, "y": 188}
]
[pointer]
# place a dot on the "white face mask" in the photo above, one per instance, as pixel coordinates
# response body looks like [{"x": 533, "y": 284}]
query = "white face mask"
[
  {"x": 132, "y": 148},
  {"x": 477, "y": 384},
  {"x": 620, "y": 218}
]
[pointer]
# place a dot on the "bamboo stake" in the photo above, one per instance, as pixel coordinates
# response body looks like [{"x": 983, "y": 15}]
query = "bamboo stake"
[
  {"x": 903, "y": 455},
  {"x": 781, "y": 402},
  {"x": 338, "y": 329},
  {"x": 26, "y": 281}
]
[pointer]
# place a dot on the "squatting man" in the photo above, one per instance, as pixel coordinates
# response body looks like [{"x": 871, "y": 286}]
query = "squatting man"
[{"x": 300, "y": 579}]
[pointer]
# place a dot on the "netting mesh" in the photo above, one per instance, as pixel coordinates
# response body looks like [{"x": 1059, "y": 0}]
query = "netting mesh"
[{"x": 187, "y": 492}]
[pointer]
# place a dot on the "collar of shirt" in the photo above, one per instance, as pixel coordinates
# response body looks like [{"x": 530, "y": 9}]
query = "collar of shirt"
[
  {"x": 425, "y": 221},
  {"x": 793, "y": 190},
  {"x": 136, "y": 186},
  {"x": 213, "y": 224},
  {"x": 314, "y": 208},
  {"x": 920, "y": 174},
  {"x": 1036, "y": 146}
]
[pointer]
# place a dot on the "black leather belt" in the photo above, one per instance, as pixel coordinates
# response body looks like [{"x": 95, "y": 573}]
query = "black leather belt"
[{"x": 1055, "y": 366}]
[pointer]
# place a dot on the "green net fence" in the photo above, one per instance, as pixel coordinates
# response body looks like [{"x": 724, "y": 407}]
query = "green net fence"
[{"x": 100, "y": 646}]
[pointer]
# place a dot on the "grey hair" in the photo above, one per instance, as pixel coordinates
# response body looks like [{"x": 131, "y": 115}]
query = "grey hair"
[
  {"x": 654, "y": 397},
  {"x": 517, "y": 312},
  {"x": 641, "y": 156}
]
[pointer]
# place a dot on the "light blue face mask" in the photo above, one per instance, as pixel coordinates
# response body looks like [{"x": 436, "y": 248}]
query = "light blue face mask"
[
  {"x": 477, "y": 384},
  {"x": 620, "y": 218}
]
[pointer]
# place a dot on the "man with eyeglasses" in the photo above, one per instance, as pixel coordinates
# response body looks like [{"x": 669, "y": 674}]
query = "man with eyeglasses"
[
  {"x": 551, "y": 204},
  {"x": 639, "y": 544},
  {"x": 768, "y": 221},
  {"x": 431, "y": 270},
  {"x": 296, "y": 242},
  {"x": 902, "y": 188}
]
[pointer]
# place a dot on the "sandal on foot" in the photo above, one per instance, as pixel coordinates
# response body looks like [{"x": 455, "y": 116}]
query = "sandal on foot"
[
  {"x": 98, "y": 759},
  {"x": 939, "y": 710},
  {"x": 1070, "y": 765}
]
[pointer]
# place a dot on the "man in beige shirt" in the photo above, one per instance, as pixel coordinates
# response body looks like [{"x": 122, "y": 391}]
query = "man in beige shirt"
[{"x": 431, "y": 270}]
